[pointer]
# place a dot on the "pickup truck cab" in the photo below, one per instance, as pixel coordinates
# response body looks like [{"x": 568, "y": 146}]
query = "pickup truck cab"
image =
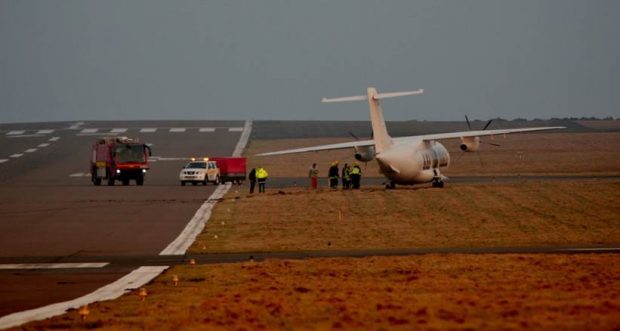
[{"x": 202, "y": 171}]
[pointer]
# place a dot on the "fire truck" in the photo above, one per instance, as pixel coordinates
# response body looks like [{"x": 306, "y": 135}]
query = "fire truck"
[{"x": 119, "y": 158}]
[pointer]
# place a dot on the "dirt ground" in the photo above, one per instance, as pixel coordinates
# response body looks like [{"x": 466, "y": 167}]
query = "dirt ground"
[
  {"x": 531, "y": 153},
  {"x": 432, "y": 292},
  {"x": 584, "y": 212}
]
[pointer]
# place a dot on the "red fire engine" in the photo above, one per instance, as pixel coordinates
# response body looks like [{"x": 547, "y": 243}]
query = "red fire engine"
[{"x": 119, "y": 158}]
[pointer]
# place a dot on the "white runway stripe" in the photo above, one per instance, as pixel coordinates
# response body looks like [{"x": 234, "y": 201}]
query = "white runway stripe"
[
  {"x": 118, "y": 130},
  {"x": 235, "y": 129},
  {"x": 45, "y": 131},
  {"x": 30, "y": 150},
  {"x": 3, "y": 160},
  {"x": 52, "y": 265},
  {"x": 43, "y": 145},
  {"x": 148, "y": 129},
  {"x": 79, "y": 174},
  {"x": 89, "y": 130},
  {"x": 16, "y": 155},
  {"x": 206, "y": 130},
  {"x": 177, "y": 129},
  {"x": 15, "y": 132},
  {"x": 134, "y": 280},
  {"x": 54, "y": 139}
]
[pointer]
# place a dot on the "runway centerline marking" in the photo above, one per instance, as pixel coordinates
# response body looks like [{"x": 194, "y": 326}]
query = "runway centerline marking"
[
  {"x": 16, "y": 155},
  {"x": 30, "y": 150},
  {"x": 148, "y": 130},
  {"x": 45, "y": 131},
  {"x": 54, "y": 139},
  {"x": 43, "y": 145},
  {"x": 23, "y": 266},
  {"x": 15, "y": 132},
  {"x": 3, "y": 160},
  {"x": 118, "y": 130},
  {"x": 177, "y": 130},
  {"x": 235, "y": 129},
  {"x": 206, "y": 130},
  {"x": 89, "y": 130}
]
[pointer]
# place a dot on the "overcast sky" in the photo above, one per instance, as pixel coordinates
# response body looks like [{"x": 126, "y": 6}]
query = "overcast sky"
[{"x": 125, "y": 60}]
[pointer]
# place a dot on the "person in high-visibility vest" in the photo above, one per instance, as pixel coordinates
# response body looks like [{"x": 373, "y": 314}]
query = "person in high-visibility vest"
[
  {"x": 333, "y": 175},
  {"x": 261, "y": 177},
  {"x": 346, "y": 177},
  {"x": 356, "y": 175}
]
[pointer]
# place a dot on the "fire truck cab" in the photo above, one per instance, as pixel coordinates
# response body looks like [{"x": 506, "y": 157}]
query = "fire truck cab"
[{"x": 119, "y": 158}]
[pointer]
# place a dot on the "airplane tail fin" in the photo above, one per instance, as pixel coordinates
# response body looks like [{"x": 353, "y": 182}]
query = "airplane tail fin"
[{"x": 381, "y": 137}]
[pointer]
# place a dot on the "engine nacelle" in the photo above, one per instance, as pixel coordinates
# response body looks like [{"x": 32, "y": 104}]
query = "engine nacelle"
[
  {"x": 470, "y": 144},
  {"x": 365, "y": 153}
]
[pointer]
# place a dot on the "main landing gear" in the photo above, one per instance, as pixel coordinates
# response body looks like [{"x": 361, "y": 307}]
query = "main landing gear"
[{"x": 437, "y": 179}]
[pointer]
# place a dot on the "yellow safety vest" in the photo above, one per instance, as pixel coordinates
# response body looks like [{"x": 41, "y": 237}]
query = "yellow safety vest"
[{"x": 261, "y": 173}]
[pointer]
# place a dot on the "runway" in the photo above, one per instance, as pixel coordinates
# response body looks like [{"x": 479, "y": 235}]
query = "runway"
[{"x": 49, "y": 208}]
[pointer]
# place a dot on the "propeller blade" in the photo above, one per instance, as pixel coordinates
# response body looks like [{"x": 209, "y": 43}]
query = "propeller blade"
[
  {"x": 353, "y": 135},
  {"x": 468, "y": 124},
  {"x": 488, "y": 123}
]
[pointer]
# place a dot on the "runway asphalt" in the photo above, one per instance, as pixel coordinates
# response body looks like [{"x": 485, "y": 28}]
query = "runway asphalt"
[{"x": 49, "y": 208}]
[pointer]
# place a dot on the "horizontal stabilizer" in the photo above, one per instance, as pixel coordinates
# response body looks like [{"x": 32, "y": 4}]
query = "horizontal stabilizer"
[{"x": 377, "y": 96}]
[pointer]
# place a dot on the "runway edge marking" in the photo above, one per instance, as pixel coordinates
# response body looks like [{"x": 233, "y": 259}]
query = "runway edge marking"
[
  {"x": 129, "y": 282},
  {"x": 136, "y": 278},
  {"x": 200, "y": 219}
]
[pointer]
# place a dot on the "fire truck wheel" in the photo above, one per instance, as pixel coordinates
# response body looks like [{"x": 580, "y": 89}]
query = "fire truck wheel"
[{"x": 125, "y": 182}]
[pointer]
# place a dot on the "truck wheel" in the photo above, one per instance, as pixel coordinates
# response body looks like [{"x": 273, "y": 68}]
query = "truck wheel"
[
  {"x": 140, "y": 180},
  {"x": 217, "y": 180},
  {"x": 125, "y": 182}
]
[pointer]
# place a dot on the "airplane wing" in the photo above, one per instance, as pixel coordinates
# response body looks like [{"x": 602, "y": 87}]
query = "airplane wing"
[
  {"x": 477, "y": 133},
  {"x": 435, "y": 136},
  {"x": 352, "y": 144}
]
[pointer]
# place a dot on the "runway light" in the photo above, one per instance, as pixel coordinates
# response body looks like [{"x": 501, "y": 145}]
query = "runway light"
[
  {"x": 142, "y": 294},
  {"x": 84, "y": 312},
  {"x": 175, "y": 280}
]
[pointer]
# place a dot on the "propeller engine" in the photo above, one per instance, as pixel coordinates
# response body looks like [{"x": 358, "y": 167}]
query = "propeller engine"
[
  {"x": 365, "y": 153},
  {"x": 470, "y": 144}
]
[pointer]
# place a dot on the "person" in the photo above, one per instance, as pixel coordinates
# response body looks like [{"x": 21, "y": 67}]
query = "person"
[
  {"x": 261, "y": 176},
  {"x": 356, "y": 175},
  {"x": 252, "y": 178},
  {"x": 313, "y": 174},
  {"x": 333, "y": 175},
  {"x": 346, "y": 177}
]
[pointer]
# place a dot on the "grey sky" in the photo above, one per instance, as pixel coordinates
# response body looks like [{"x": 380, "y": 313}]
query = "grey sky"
[{"x": 124, "y": 60}]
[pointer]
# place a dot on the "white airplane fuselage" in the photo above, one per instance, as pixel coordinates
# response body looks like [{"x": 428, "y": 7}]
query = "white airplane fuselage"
[{"x": 413, "y": 163}]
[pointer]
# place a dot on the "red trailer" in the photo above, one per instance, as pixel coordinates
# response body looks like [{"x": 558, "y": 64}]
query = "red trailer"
[
  {"x": 119, "y": 158},
  {"x": 232, "y": 169}
]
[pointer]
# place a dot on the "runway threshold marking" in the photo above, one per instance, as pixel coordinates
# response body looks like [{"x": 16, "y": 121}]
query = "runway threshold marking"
[
  {"x": 19, "y": 266},
  {"x": 131, "y": 281}
]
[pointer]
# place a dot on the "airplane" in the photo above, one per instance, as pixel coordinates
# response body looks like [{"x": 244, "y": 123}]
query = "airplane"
[{"x": 405, "y": 160}]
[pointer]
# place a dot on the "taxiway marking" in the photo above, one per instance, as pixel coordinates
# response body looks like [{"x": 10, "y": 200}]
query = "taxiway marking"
[{"x": 52, "y": 265}]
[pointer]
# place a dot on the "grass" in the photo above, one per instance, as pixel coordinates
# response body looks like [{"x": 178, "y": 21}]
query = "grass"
[
  {"x": 520, "y": 214},
  {"x": 512, "y": 291}
]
